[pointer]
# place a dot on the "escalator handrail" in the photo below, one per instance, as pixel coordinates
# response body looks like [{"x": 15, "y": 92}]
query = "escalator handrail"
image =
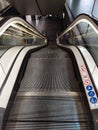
[
  {"x": 79, "y": 19},
  {"x": 8, "y": 21}
]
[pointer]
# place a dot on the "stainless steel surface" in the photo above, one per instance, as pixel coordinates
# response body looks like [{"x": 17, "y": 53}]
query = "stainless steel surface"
[{"x": 61, "y": 93}]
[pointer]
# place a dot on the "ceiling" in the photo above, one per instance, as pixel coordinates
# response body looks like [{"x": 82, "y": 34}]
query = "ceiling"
[{"x": 38, "y": 7}]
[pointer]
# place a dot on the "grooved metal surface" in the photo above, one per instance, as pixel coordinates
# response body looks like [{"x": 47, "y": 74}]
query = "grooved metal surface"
[
  {"x": 46, "y": 126},
  {"x": 50, "y": 70},
  {"x": 47, "y": 109},
  {"x": 48, "y": 113}
]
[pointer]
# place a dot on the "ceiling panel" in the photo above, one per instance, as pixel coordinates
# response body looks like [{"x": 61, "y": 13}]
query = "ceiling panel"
[{"x": 26, "y": 6}]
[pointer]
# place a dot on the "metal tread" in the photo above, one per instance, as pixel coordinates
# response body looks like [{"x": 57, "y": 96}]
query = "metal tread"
[
  {"x": 46, "y": 126},
  {"x": 52, "y": 71},
  {"x": 47, "y": 109}
]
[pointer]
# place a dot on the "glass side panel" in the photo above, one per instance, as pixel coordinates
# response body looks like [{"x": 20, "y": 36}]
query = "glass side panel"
[
  {"x": 17, "y": 35},
  {"x": 83, "y": 34}
]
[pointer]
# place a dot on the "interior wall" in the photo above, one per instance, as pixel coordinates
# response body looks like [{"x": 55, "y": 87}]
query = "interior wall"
[{"x": 81, "y": 6}]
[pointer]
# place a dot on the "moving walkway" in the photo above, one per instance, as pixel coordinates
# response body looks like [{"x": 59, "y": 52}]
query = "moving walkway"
[{"x": 47, "y": 85}]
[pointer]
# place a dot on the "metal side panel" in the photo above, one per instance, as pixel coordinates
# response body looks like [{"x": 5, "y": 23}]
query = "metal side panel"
[
  {"x": 91, "y": 65},
  {"x": 89, "y": 88},
  {"x": 6, "y": 62},
  {"x": 8, "y": 58},
  {"x": 85, "y": 76}
]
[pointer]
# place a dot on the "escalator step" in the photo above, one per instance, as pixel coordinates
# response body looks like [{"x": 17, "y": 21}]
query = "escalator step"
[{"x": 49, "y": 96}]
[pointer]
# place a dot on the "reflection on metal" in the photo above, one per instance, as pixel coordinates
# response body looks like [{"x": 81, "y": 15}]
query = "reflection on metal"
[
  {"x": 60, "y": 93},
  {"x": 24, "y": 30}
]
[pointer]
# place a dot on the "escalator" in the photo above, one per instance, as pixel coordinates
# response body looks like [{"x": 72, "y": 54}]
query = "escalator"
[{"x": 51, "y": 93}]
